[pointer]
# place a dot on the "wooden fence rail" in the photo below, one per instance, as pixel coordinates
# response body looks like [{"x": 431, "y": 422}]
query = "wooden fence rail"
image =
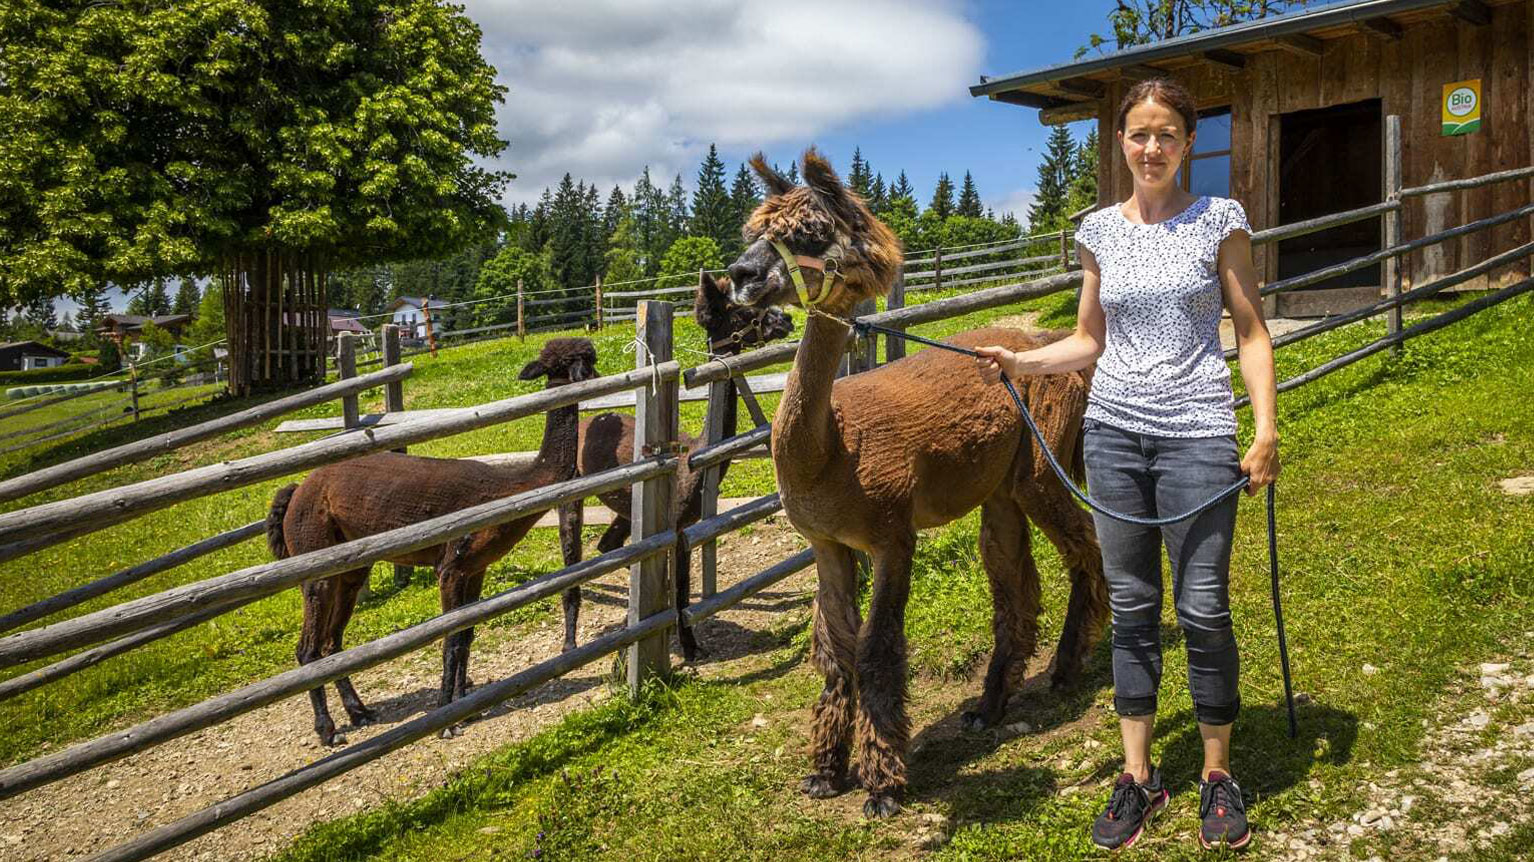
[{"x": 139, "y": 450}]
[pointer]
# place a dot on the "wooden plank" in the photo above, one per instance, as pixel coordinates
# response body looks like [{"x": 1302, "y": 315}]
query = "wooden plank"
[
  {"x": 759, "y": 383},
  {"x": 131, "y": 575},
  {"x": 699, "y": 611},
  {"x": 252, "y": 583},
  {"x": 1396, "y": 98},
  {"x": 1301, "y": 44},
  {"x": 894, "y": 348},
  {"x": 346, "y": 363},
  {"x": 1475, "y": 148},
  {"x": 1382, "y": 27},
  {"x": 139, "y": 450},
  {"x": 1507, "y": 123},
  {"x": 725, "y": 450},
  {"x": 1472, "y": 12},
  {"x": 1390, "y": 227},
  {"x": 1361, "y": 79},
  {"x": 721, "y": 394},
  {"x": 655, "y": 429},
  {"x": 758, "y": 509},
  {"x": 1299, "y": 81},
  {"x": 102, "y": 509},
  {"x": 1224, "y": 59}
]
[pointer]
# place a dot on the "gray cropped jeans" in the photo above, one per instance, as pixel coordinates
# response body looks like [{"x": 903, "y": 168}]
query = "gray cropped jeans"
[{"x": 1139, "y": 474}]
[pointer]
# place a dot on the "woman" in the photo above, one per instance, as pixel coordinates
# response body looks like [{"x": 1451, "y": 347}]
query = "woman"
[{"x": 1160, "y": 438}]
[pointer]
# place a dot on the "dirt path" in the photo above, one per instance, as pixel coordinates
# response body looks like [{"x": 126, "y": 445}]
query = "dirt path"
[{"x": 95, "y": 810}]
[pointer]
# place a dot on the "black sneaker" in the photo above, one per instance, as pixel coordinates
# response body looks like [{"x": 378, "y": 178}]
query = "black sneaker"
[
  {"x": 1131, "y": 806},
  {"x": 1223, "y": 813}
]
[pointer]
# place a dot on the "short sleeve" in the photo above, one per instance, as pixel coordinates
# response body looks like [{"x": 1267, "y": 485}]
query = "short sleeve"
[
  {"x": 1234, "y": 219},
  {"x": 1087, "y": 234}
]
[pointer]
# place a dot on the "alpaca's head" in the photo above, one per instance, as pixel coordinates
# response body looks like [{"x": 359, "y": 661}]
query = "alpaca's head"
[
  {"x": 563, "y": 360},
  {"x": 732, "y": 328},
  {"x": 822, "y": 219}
]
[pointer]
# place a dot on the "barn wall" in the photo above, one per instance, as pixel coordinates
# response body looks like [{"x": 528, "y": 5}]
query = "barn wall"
[{"x": 1407, "y": 75}]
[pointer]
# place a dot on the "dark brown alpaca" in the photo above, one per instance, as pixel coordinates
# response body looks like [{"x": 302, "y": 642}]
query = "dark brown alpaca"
[
  {"x": 607, "y": 440},
  {"x": 865, "y": 461},
  {"x": 341, "y": 502}
]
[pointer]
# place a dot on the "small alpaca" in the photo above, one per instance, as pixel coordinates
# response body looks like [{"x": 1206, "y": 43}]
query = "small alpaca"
[
  {"x": 346, "y": 501},
  {"x": 607, "y": 440}
]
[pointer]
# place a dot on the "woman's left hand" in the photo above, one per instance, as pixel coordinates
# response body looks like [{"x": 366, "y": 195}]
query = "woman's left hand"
[{"x": 1261, "y": 463}]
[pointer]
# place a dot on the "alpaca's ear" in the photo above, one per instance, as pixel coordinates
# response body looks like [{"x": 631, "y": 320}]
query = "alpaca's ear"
[
  {"x": 708, "y": 302},
  {"x": 775, "y": 182},
  {"x": 533, "y": 370},
  {"x": 822, "y": 179}
]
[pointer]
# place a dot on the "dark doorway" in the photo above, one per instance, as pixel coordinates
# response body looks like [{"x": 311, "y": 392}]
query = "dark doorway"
[{"x": 1329, "y": 161}]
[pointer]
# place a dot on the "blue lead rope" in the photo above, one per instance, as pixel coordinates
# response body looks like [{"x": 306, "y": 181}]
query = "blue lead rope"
[{"x": 865, "y": 329}]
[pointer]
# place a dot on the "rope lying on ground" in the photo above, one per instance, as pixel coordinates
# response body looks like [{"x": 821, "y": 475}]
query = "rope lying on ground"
[{"x": 866, "y": 329}]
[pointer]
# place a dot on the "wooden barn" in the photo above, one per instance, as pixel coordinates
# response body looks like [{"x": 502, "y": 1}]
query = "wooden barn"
[{"x": 1292, "y": 124}]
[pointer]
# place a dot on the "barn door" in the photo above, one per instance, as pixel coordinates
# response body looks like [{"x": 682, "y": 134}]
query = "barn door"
[{"x": 1330, "y": 160}]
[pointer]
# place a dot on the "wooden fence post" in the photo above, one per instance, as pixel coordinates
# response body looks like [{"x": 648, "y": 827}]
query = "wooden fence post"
[
  {"x": 1065, "y": 257},
  {"x": 133, "y": 384},
  {"x": 894, "y": 348},
  {"x": 346, "y": 368},
  {"x": 937, "y": 269},
  {"x": 1390, "y": 272},
  {"x": 521, "y": 324},
  {"x": 599, "y": 303},
  {"x": 431, "y": 338},
  {"x": 865, "y": 351},
  {"x": 655, "y": 427},
  {"x": 720, "y": 393},
  {"x": 394, "y": 402}
]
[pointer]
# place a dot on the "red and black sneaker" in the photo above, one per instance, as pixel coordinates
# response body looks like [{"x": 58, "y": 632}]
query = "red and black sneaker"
[
  {"x": 1223, "y": 813},
  {"x": 1131, "y": 806}
]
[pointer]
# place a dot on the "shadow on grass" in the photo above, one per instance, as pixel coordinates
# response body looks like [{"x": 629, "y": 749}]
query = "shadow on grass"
[{"x": 1266, "y": 760}]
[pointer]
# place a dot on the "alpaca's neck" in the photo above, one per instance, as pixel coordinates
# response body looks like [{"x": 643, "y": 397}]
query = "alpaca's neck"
[
  {"x": 802, "y": 430},
  {"x": 561, "y": 438},
  {"x": 730, "y": 420}
]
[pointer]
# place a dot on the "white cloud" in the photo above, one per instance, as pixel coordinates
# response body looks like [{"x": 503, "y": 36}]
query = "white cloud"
[
  {"x": 600, "y": 89},
  {"x": 1015, "y": 202}
]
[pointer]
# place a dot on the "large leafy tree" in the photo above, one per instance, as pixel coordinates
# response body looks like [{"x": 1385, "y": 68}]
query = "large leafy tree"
[
  {"x": 252, "y": 138},
  {"x": 685, "y": 257}
]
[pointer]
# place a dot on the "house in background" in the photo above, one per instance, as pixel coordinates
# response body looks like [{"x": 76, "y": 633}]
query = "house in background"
[
  {"x": 1291, "y": 123},
  {"x": 123, "y": 328},
  {"x": 345, "y": 320},
  {"x": 409, "y": 315},
  {"x": 27, "y": 355}
]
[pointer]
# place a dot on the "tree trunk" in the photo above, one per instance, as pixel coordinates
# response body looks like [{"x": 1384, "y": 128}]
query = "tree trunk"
[{"x": 275, "y": 313}]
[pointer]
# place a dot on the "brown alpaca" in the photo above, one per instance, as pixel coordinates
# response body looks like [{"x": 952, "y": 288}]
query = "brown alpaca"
[
  {"x": 865, "y": 461},
  {"x": 341, "y": 502},
  {"x": 607, "y": 440}
]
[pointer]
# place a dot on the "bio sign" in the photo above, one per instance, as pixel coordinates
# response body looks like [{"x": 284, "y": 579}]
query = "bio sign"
[{"x": 1462, "y": 107}]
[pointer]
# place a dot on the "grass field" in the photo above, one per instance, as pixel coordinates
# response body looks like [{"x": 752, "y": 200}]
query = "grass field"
[{"x": 1399, "y": 551}]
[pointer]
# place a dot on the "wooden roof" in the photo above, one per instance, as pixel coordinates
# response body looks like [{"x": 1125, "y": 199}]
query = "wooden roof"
[{"x": 1073, "y": 91}]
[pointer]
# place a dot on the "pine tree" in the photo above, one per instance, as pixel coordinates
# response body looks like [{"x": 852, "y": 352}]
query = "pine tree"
[
  {"x": 712, "y": 210},
  {"x": 878, "y": 196},
  {"x": 617, "y": 207},
  {"x": 67, "y": 323},
  {"x": 1054, "y": 181},
  {"x": 858, "y": 179},
  {"x": 151, "y": 300},
  {"x": 969, "y": 198},
  {"x": 902, "y": 188},
  {"x": 593, "y": 235},
  {"x": 744, "y": 199},
  {"x": 187, "y": 297},
  {"x": 38, "y": 313},
  {"x": 942, "y": 197},
  {"x": 93, "y": 307},
  {"x": 792, "y": 174},
  {"x": 649, "y": 209},
  {"x": 678, "y": 221},
  {"x": 1083, "y": 191},
  {"x": 538, "y": 236},
  {"x": 567, "y": 241},
  {"x": 622, "y": 258}
]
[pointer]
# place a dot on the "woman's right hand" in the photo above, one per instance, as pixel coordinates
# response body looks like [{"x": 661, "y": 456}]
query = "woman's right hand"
[{"x": 993, "y": 361}]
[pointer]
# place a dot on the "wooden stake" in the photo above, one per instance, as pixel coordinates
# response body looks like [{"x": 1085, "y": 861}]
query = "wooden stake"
[
  {"x": 1390, "y": 272},
  {"x": 655, "y": 426},
  {"x": 394, "y": 402},
  {"x": 521, "y": 321},
  {"x": 431, "y": 339},
  {"x": 894, "y": 348},
  {"x": 599, "y": 303}
]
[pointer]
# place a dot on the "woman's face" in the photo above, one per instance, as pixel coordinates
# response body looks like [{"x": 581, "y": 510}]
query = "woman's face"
[{"x": 1155, "y": 143}]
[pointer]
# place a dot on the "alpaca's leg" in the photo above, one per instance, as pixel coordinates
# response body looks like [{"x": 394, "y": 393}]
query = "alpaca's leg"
[
  {"x": 615, "y": 535},
  {"x": 570, "y": 523},
  {"x": 311, "y": 641},
  {"x": 884, "y": 729},
  {"x": 1072, "y": 533},
  {"x": 473, "y": 588},
  {"x": 348, "y": 586},
  {"x": 833, "y": 652},
  {"x": 450, "y": 587},
  {"x": 681, "y": 578},
  {"x": 1006, "y": 550}
]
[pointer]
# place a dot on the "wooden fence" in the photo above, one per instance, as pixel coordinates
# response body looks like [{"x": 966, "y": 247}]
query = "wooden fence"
[{"x": 655, "y": 380}]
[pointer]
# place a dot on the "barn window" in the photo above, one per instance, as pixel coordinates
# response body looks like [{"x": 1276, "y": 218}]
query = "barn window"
[{"x": 1208, "y": 169}]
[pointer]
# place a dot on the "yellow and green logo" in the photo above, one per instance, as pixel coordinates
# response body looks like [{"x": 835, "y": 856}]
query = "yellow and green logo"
[{"x": 1462, "y": 107}]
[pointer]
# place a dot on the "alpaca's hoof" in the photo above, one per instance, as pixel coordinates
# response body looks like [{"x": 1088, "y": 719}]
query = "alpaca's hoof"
[
  {"x": 568, "y": 647},
  {"x": 820, "y": 786},
  {"x": 363, "y": 717},
  {"x": 333, "y": 740},
  {"x": 974, "y": 721},
  {"x": 451, "y": 732},
  {"x": 1065, "y": 677},
  {"x": 880, "y": 806}
]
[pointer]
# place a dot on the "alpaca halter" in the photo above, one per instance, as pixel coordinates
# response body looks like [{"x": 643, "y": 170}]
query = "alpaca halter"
[{"x": 830, "y": 269}]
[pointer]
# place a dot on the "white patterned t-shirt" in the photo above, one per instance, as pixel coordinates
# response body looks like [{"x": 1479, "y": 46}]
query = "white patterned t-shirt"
[{"x": 1162, "y": 371}]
